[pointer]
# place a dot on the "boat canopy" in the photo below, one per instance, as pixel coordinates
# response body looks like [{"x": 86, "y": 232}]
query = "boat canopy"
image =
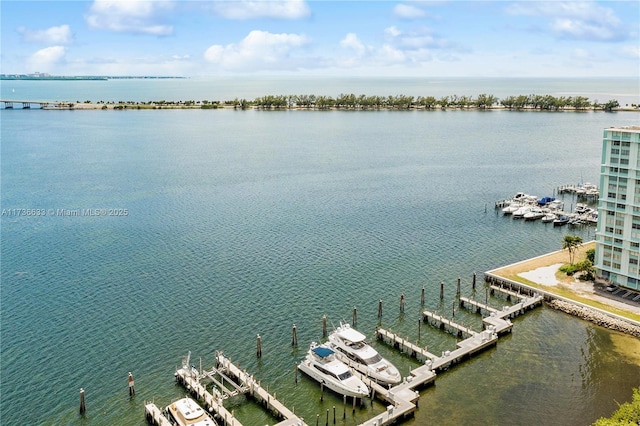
[{"x": 322, "y": 351}]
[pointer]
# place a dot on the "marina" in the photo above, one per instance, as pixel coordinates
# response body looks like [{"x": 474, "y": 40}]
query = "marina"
[
  {"x": 229, "y": 380},
  {"x": 531, "y": 208}
]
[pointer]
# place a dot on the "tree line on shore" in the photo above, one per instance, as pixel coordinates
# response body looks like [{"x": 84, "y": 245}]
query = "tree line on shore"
[{"x": 397, "y": 102}]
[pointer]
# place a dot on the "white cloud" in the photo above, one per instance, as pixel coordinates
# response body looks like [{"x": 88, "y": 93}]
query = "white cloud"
[
  {"x": 575, "y": 20},
  {"x": 54, "y": 35},
  {"x": 353, "y": 43},
  {"x": 406, "y": 11},
  {"x": 259, "y": 50},
  {"x": 137, "y": 16},
  {"x": 251, "y": 9},
  {"x": 46, "y": 59},
  {"x": 631, "y": 51}
]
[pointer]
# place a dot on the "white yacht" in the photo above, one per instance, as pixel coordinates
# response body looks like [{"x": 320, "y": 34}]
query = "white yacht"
[
  {"x": 351, "y": 347},
  {"x": 186, "y": 412},
  {"x": 322, "y": 365}
]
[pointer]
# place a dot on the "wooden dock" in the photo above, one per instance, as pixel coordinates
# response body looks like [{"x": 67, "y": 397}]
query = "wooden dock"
[
  {"x": 269, "y": 401},
  {"x": 154, "y": 415},
  {"x": 212, "y": 403},
  {"x": 404, "y": 345},
  {"x": 447, "y": 324}
]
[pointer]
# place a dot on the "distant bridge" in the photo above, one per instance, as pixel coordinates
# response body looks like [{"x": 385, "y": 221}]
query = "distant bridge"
[{"x": 10, "y": 104}]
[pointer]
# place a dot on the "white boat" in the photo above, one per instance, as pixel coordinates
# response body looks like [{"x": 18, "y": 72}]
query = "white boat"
[
  {"x": 549, "y": 217},
  {"x": 518, "y": 214},
  {"x": 351, "y": 347},
  {"x": 533, "y": 214},
  {"x": 322, "y": 365},
  {"x": 186, "y": 412},
  {"x": 512, "y": 207}
]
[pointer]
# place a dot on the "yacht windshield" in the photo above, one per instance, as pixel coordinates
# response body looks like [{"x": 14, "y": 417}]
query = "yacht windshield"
[
  {"x": 373, "y": 359},
  {"x": 345, "y": 375}
]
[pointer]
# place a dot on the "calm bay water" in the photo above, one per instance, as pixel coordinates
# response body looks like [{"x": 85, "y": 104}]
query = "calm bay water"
[{"x": 245, "y": 222}]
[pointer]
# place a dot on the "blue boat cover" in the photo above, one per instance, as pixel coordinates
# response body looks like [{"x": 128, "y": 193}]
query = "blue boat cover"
[
  {"x": 322, "y": 351},
  {"x": 545, "y": 200}
]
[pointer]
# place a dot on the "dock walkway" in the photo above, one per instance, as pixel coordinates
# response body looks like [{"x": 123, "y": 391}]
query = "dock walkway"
[
  {"x": 269, "y": 401},
  {"x": 154, "y": 415}
]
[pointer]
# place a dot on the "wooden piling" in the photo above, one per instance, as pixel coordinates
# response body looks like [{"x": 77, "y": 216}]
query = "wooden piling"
[
  {"x": 334, "y": 414},
  {"x": 441, "y": 290},
  {"x": 259, "y": 346},
  {"x": 83, "y": 408},
  {"x": 344, "y": 406},
  {"x": 324, "y": 326},
  {"x": 355, "y": 316},
  {"x": 402, "y": 303},
  {"x": 458, "y": 288},
  {"x": 380, "y": 308},
  {"x": 473, "y": 282},
  {"x": 321, "y": 391},
  {"x": 132, "y": 389},
  {"x": 422, "y": 297},
  {"x": 294, "y": 335},
  {"x": 419, "y": 327}
]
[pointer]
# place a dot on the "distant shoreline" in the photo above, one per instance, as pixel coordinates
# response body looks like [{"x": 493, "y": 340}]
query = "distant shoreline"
[
  {"x": 46, "y": 77},
  {"x": 227, "y": 105}
]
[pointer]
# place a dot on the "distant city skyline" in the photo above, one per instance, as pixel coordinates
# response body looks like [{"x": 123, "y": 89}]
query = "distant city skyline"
[{"x": 321, "y": 38}]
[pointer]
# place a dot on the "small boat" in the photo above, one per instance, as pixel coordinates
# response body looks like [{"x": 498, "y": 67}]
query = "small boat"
[
  {"x": 519, "y": 214},
  {"x": 533, "y": 214},
  {"x": 511, "y": 208},
  {"x": 351, "y": 346},
  {"x": 561, "y": 220},
  {"x": 322, "y": 365},
  {"x": 549, "y": 217},
  {"x": 186, "y": 412}
]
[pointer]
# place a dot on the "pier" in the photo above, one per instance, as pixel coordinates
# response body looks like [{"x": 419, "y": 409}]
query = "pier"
[
  {"x": 232, "y": 377},
  {"x": 154, "y": 415},
  {"x": 447, "y": 324}
]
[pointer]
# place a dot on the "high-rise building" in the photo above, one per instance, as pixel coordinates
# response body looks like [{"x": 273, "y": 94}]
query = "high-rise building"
[{"x": 618, "y": 230}]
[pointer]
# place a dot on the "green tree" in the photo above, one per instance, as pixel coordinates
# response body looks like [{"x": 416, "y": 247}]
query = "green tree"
[
  {"x": 626, "y": 414},
  {"x": 609, "y": 106},
  {"x": 571, "y": 244}
]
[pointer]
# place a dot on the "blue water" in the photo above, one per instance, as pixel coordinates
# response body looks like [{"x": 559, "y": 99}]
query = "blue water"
[{"x": 245, "y": 222}]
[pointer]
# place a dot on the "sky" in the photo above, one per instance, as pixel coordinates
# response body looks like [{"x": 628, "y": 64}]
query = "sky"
[{"x": 356, "y": 38}]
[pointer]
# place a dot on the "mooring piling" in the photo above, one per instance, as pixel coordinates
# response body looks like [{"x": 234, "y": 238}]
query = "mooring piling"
[
  {"x": 324, "y": 326},
  {"x": 132, "y": 389},
  {"x": 83, "y": 408},
  {"x": 294, "y": 336},
  {"x": 259, "y": 346}
]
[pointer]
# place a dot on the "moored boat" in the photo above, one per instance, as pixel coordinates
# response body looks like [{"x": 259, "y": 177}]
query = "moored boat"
[
  {"x": 549, "y": 217},
  {"x": 351, "y": 347},
  {"x": 322, "y": 365},
  {"x": 186, "y": 412},
  {"x": 561, "y": 220}
]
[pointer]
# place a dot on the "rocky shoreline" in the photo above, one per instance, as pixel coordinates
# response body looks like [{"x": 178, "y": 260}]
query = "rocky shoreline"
[{"x": 596, "y": 317}]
